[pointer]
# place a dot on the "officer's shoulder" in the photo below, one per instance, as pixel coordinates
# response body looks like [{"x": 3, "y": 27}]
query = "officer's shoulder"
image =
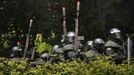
[
  {"x": 111, "y": 43},
  {"x": 68, "y": 47}
]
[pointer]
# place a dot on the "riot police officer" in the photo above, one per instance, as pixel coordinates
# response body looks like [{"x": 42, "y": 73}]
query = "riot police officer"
[
  {"x": 89, "y": 45},
  {"x": 68, "y": 48},
  {"x": 96, "y": 48},
  {"x": 56, "y": 54},
  {"x": 90, "y": 50},
  {"x": 114, "y": 46},
  {"x": 16, "y": 51},
  {"x": 40, "y": 59},
  {"x": 99, "y": 45},
  {"x": 57, "y": 49}
]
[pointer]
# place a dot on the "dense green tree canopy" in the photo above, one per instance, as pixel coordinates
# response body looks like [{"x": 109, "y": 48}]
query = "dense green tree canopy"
[{"x": 95, "y": 19}]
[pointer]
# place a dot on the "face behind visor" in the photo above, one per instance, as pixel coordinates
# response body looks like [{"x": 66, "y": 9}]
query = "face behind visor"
[
  {"x": 70, "y": 37},
  {"x": 99, "y": 46},
  {"x": 115, "y": 33},
  {"x": 89, "y": 45}
]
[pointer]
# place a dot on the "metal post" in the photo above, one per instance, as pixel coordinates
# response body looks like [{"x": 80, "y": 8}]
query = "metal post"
[{"x": 129, "y": 47}]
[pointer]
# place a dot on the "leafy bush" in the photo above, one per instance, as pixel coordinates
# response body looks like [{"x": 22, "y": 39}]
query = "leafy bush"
[
  {"x": 100, "y": 66},
  {"x": 13, "y": 35},
  {"x": 41, "y": 45}
]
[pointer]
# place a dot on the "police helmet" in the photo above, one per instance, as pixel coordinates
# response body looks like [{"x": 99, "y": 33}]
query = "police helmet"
[
  {"x": 99, "y": 41},
  {"x": 89, "y": 43},
  {"x": 71, "y": 34},
  {"x": 16, "y": 48},
  {"x": 55, "y": 47},
  {"x": 114, "y": 30},
  {"x": 115, "y": 33},
  {"x": 62, "y": 38},
  {"x": 44, "y": 55},
  {"x": 70, "y": 37}
]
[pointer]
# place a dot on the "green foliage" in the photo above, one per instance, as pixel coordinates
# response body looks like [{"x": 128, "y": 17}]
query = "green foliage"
[
  {"x": 4, "y": 40},
  {"x": 95, "y": 16},
  {"x": 11, "y": 67},
  {"x": 99, "y": 66},
  {"x": 42, "y": 46},
  {"x": 13, "y": 35}
]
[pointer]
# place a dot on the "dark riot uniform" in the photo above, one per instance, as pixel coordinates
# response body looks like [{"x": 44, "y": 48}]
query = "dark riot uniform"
[
  {"x": 57, "y": 54},
  {"x": 95, "y": 48},
  {"x": 16, "y": 51},
  {"x": 114, "y": 46},
  {"x": 68, "y": 47}
]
